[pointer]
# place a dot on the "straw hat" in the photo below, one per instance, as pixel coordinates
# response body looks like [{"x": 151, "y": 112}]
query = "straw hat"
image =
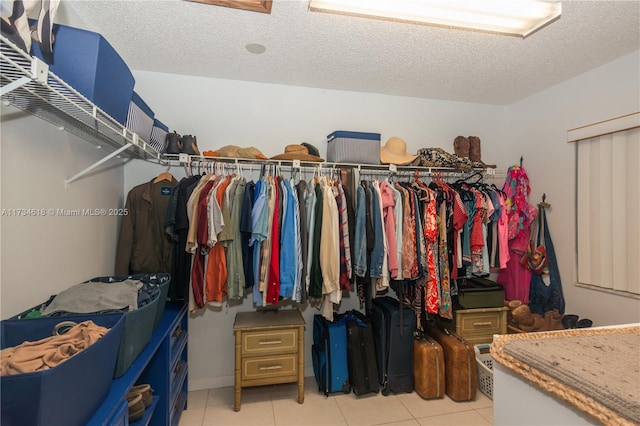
[
  {"x": 251, "y": 152},
  {"x": 297, "y": 152},
  {"x": 228, "y": 151},
  {"x": 395, "y": 152}
]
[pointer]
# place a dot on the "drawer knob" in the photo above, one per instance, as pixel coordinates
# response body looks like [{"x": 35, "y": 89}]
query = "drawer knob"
[
  {"x": 270, "y": 342},
  {"x": 481, "y": 324},
  {"x": 270, "y": 367}
]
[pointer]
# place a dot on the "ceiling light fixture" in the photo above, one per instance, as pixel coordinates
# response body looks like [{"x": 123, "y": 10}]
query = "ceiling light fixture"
[{"x": 511, "y": 17}]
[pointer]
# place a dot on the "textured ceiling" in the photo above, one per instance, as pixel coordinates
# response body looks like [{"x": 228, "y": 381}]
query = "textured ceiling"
[{"x": 329, "y": 51}]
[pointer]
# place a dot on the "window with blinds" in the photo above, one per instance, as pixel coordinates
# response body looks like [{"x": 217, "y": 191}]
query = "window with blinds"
[{"x": 608, "y": 204}]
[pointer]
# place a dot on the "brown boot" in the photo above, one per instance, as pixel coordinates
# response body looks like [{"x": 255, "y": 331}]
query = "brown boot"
[
  {"x": 475, "y": 153},
  {"x": 522, "y": 315},
  {"x": 461, "y": 146},
  {"x": 512, "y": 304},
  {"x": 537, "y": 324},
  {"x": 553, "y": 320}
]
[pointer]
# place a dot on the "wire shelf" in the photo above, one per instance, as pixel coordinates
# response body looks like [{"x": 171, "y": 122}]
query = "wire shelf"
[{"x": 28, "y": 85}]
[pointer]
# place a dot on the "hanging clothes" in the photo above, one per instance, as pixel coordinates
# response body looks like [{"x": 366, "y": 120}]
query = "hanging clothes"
[
  {"x": 516, "y": 278},
  {"x": 302, "y": 193},
  {"x": 143, "y": 245},
  {"x": 546, "y": 288},
  {"x": 245, "y": 233},
  {"x": 236, "y": 281},
  {"x": 177, "y": 227},
  {"x": 297, "y": 242}
]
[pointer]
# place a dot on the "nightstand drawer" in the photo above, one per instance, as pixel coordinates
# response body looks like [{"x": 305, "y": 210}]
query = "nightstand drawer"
[
  {"x": 270, "y": 342},
  {"x": 485, "y": 323},
  {"x": 269, "y": 366},
  {"x": 479, "y": 325}
]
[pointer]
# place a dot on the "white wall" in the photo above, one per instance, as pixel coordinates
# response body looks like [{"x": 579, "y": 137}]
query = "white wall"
[
  {"x": 221, "y": 112},
  {"x": 45, "y": 254},
  {"x": 538, "y": 125}
]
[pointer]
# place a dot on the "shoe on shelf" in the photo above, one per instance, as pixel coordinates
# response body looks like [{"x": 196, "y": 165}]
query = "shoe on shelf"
[
  {"x": 172, "y": 143},
  {"x": 145, "y": 390},
  {"x": 569, "y": 321},
  {"x": 189, "y": 145},
  {"x": 461, "y": 146},
  {"x": 475, "y": 152},
  {"x": 136, "y": 406},
  {"x": 584, "y": 323}
]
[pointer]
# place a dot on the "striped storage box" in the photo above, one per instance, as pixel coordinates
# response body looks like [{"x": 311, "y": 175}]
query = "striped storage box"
[
  {"x": 353, "y": 147},
  {"x": 140, "y": 118},
  {"x": 158, "y": 135}
]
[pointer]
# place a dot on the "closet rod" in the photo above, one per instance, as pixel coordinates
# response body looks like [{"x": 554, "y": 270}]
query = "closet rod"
[{"x": 186, "y": 160}]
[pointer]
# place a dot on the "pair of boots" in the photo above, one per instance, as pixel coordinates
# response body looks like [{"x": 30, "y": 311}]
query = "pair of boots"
[
  {"x": 527, "y": 321},
  {"x": 176, "y": 144},
  {"x": 469, "y": 148},
  {"x": 139, "y": 398}
]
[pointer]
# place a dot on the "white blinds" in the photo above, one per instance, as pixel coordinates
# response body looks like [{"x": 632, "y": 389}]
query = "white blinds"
[{"x": 608, "y": 210}]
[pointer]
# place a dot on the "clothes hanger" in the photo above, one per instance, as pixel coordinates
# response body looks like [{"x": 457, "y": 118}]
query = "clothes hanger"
[{"x": 164, "y": 176}]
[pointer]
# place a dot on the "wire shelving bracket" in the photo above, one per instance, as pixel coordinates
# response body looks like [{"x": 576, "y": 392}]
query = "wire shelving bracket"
[{"x": 28, "y": 84}]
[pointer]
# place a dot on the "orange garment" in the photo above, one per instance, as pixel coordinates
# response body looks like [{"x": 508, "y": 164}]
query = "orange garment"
[
  {"x": 49, "y": 352},
  {"x": 216, "y": 271}
]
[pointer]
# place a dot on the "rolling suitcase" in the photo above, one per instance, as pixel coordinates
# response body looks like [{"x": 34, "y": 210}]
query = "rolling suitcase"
[
  {"x": 329, "y": 355},
  {"x": 461, "y": 371},
  {"x": 393, "y": 339},
  {"x": 428, "y": 367},
  {"x": 363, "y": 369}
]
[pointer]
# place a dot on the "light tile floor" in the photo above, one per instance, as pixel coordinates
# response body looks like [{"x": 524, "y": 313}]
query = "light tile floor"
[{"x": 277, "y": 405}]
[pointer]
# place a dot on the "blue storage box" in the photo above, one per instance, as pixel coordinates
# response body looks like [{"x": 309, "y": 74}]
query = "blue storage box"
[
  {"x": 158, "y": 135},
  {"x": 140, "y": 118},
  {"x": 138, "y": 324},
  {"x": 88, "y": 63},
  {"x": 69, "y": 393},
  {"x": 353, "y": 147}
]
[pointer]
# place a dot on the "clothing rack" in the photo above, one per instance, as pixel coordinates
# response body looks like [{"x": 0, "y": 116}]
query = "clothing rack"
[{"x": 320, "y": 168}]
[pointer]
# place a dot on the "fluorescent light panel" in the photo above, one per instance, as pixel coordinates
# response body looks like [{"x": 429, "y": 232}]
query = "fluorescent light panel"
[{"x": 513, "y": 17}]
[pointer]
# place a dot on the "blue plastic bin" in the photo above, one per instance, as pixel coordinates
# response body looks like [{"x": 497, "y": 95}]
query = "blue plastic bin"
[
  {"x": 68, "y": 394},
  {"x": 138, "y": 324},
  {"x": 88, "y": 63}
]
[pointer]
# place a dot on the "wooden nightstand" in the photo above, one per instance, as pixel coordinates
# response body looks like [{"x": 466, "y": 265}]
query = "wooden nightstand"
[
  {"x": 479, "y": 325},
  {"x": 269, "y": 350}
]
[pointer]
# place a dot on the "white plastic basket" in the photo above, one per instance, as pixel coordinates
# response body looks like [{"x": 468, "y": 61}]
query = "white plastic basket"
[{"x": 485, "y": 369}]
